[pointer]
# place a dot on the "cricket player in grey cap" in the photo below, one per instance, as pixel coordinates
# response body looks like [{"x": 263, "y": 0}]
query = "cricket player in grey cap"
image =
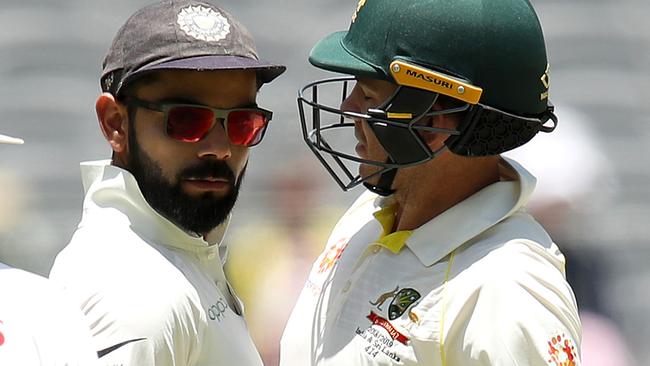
[
  {"x": 179, "y": 111},
  {"x": 38, "y": 325}
]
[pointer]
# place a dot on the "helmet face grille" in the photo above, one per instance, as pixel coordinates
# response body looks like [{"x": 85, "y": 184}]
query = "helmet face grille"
[{"x": 329, "y": 131}]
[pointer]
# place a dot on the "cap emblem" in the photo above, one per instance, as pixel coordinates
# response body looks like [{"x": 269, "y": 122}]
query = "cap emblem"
[{"x": 203, "y": 23}]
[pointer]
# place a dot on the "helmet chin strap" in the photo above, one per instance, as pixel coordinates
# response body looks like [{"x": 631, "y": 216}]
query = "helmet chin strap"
[{"x": 384, "y": 186}]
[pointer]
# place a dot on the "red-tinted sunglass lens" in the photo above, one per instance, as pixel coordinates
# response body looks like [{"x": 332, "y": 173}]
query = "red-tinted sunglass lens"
[
  {"x": 189, "y": 124},
  {"x": 246, "y": 127}
]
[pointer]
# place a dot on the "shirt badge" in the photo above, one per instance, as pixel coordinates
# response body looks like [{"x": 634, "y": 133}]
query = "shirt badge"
[
  {"x": 390, "y": 328},
  {"x": 2, "y": 336},
  {"x": 562, "y": 351},
  {"x": 332, "y": 256},
  {"x": 401, "y": 300},
  {"x": 203, "y": 23},
  {"x": 382, "y": 336}
]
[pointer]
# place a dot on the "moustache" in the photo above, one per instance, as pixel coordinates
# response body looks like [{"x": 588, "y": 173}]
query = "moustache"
[{"x": 209, "y": 170}]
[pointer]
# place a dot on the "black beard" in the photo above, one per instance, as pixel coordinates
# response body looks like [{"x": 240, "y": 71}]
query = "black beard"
[{"x": 194, "y": 214}]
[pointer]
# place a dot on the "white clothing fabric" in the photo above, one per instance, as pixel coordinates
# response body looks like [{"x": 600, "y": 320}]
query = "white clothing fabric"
[
  {"x": 38, "y": 325},
  {"x": 480, "y": 284},
  {"x": 153, "y": 293},
  {"x": 4, "y": 139}
]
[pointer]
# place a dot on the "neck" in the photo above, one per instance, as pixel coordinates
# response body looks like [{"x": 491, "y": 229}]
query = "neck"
[{"x": 448, "y": 181}]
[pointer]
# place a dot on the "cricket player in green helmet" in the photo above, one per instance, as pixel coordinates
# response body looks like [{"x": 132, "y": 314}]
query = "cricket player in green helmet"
[{"x": 437, "y": 263}]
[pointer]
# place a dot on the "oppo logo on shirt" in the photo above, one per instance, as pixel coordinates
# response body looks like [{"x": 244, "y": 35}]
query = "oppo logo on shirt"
[{"x": 217, "y": 310}]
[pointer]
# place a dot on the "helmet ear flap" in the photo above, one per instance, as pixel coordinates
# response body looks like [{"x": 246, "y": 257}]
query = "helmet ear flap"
[{"x": 487, "y": 131}]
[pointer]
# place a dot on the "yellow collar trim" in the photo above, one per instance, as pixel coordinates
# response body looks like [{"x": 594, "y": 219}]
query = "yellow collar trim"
[{"x": 393, "y": 241}]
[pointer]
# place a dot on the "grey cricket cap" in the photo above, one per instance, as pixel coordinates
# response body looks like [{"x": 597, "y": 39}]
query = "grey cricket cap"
[{"x": 181, "y": 34}]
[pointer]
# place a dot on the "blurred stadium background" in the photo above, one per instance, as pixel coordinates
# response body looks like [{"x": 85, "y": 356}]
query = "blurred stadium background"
[{"x": 594, "y": 185}]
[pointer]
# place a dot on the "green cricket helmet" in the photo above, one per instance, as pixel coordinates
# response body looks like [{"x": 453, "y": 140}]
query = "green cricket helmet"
[{"x": 489, "y": 56}]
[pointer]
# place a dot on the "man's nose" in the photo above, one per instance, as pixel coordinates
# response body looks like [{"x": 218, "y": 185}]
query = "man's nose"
[
  {"x": 352, "y": 103},
  {"x": 216, "y": 143}
]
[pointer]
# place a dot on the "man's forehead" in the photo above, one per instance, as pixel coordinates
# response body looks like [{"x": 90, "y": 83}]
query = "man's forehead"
[{"x": 376, "y": 85}]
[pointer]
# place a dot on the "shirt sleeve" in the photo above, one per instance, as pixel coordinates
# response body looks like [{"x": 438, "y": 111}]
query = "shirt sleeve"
[
  {"x": 61, "y": 341},
  {"x": 38, "y": 326},
  {"x": 512, "y": 307},
  {"x": 142, "y": 320},
  {"x": 521, "y": 312},
  {"x": 161, "y": 329},
  {"x": 141, "y": 311}
]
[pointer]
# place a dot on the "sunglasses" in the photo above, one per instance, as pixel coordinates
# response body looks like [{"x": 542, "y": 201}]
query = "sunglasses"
[{"x": 191, "y": 122}]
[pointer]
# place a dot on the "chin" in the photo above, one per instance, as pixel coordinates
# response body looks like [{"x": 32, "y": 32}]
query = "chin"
[
  {"x": 364, "y": 170},
  {"x": 367, "y": 170}
]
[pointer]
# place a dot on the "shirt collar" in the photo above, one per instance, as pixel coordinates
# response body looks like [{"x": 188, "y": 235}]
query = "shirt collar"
[
  {"x": 437, "y": 238},
  {"x": 110, "y": 187},
  {"x": 393, "y": 241}
]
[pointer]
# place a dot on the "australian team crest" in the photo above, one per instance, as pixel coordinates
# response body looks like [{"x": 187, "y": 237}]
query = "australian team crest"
[
  {"x": 401, "y": 301},
  {"x": 203, "y": 23}
]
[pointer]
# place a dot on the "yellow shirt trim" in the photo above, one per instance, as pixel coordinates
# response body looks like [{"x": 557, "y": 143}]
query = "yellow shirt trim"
[
  {"x": 393, "y": 241},
  {"x": 443, "y": 354}
]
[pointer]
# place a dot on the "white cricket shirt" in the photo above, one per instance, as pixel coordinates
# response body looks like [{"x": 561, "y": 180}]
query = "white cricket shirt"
[
  {"x": 480, "y": 284},
  {"x": 153, "y": 294},
  {"x": 38, "y": 326}
]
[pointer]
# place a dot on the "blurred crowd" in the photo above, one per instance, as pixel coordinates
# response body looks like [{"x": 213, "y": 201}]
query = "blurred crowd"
[{"x": 271, "y": 255}]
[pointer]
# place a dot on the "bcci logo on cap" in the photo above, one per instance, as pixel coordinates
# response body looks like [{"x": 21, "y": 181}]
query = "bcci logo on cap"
[{"x": 203, "y": 23}]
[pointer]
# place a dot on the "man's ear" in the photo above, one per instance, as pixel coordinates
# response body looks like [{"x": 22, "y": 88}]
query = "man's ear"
[
  {"x": 435, "y": 140},
  {"x": 114, "y": 123}
]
